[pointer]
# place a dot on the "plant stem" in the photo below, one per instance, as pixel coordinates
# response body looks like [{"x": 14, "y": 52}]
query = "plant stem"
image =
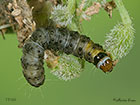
[
  {"x": 123, "y": 13},
  {"x": 71, "y": 6}
]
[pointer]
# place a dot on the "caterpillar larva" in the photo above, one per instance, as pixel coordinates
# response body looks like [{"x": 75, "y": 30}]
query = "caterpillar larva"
[{"x": 62, "y": 40}]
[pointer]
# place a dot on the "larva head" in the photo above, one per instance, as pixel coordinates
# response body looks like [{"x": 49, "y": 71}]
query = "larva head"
[
  {"x": 104, "y": 62},
  {"x": 106, "y": 65},
  {"x": 34, "y": 77}
]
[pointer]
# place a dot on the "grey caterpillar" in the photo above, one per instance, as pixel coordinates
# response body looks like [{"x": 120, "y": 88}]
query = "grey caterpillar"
[{"x": 62, "y": 40}]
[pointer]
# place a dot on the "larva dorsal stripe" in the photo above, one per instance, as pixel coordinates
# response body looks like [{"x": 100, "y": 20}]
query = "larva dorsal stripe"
[{"x": 62, "y": 40}]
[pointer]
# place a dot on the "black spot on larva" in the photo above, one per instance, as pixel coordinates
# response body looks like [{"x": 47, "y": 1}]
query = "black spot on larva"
[
  {"x": 29, "y": 78},
  {"x": 89, "y": 58},
  {"x": 80, "y": 49},
  {"x": 45, "y": 45},
  {"x": 89, "y": 54},
  {"x": 60, "y": 41},
  {"x": 52, "y": 40},
  {"x": 70, "y": 45},
  {"x": 38, "y": 51},
  {"x": 35, "y": 77}
]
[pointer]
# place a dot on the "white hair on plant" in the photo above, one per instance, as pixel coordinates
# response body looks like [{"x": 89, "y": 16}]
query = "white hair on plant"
[
  {"x": 120, "y": 40},
  {"x": 68, "y": 68},
  {"x": 61, "y": 15}
]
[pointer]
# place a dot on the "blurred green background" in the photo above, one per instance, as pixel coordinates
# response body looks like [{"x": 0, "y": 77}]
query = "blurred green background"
[{"x": 93, "y": 87}]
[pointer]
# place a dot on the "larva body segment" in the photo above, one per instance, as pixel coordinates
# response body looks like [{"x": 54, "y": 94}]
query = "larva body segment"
[
  {"x": 62, "y": 40},
  {"x": 71, "y": 42},
  {"x": 32, "y": 63}
]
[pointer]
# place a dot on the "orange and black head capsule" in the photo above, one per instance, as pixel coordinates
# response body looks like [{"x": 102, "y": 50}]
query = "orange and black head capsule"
[{"x": 104, "y": 62}]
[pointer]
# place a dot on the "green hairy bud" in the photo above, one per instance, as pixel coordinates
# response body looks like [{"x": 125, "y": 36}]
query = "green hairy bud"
[{"x": 121, "y": 38}]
